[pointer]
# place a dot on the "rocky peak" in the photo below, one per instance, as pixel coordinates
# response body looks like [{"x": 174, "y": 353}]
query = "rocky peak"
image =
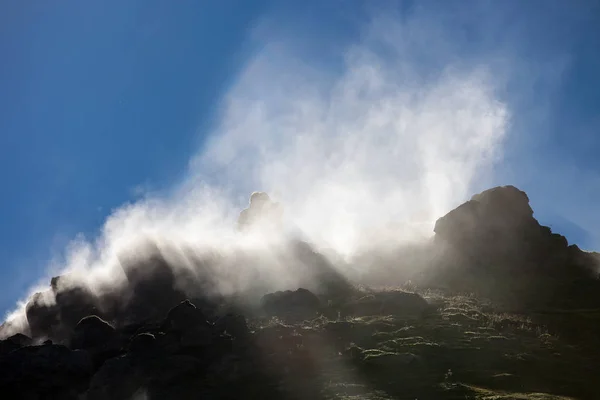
[
  {"x": 498, "y": 209},
  {"x": 495, "y": 237}
]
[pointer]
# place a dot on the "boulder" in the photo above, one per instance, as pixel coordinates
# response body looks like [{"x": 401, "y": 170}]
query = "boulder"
[
  {"x": 118, "y": 378},
  {"x": 184, "y": 316},
  {"x": 143, "y": 345},
  {"x": 42, "y": 314},
  {"x": 98, "y": 338},
  {"x": 92, "y": 331},
  {"x": 300, "y": 303},
  {"x": 150, "y": 289},
  {"x": 73, "y": 304},
  {"x": 53, "y": 313},
  {"x": 38, "y": 371}
]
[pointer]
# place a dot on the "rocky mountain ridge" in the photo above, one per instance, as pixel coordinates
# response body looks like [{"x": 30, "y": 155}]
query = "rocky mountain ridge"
[{"x": 150, "y": 339}]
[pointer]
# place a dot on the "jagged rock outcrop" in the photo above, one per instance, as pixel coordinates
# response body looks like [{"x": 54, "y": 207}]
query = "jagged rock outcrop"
[
  {"x": 494, "y": 245},
  {"x": 497, "y": 227},
  {"x": 262, "y": 211}
]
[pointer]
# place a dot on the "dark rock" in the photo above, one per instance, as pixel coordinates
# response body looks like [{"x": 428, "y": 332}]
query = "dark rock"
[
  {"x": 177, "y": 377},
  {"x": 300, "y": 303},
  {"x": 173, "y": 368},
  {"x": 501, "y": 208},
  {"x": 497, "y": 223},
  {"x": 494, "y": 246},
  {"x": 92, "y": 331},
  {"x": 151, "y": 290},
  {"x": 199, "y": 336},
  {"x": 393, "y": 361},
  {"x": 53, "y": 313},
  {"x": 231, "y": 368},
  {"x": 98, "y": 338},
  {"x": 118, "y": 379},
  {"x": 232, "y": 324},
  {"x": 11, "y": 326},
  {"x": 184, "y": 316},
  {"x": 496, "y": 228},
  {"x": 40, "y": 370},
  {"x": 168, "y": 343},
  {"x": 143, "y": 343},
  {"x": 74, "y": 304},
  {"x": 397, "y": 303},
  {"x": 42, "y": 314},
  {"x": 14, "y": 342}
]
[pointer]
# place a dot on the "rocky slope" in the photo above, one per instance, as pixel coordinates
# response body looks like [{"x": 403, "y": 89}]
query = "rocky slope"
[
  {"x": 517, "y": 317},
  {"x": 493, "y": 245}
]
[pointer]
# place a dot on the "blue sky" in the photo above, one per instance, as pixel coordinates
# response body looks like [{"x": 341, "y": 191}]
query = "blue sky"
[{"x": 102, "y": 101}]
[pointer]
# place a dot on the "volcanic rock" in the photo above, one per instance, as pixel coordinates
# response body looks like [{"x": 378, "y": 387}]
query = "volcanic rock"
[
  {"x": 14, "y": 342},
  {"x": 493, "y": 245},
  {"x": 233, "y": 324},
  {"x": 44, "y": 371},
  {"x": 92, "y": 331},
  {"x": 300, "y": 303},
  {"x": 397, "y": 303},
  {"x": 42, "y": 314},
  {"x": 118, "y": 378},
  {"x": 151, "y": 285},
  {"x": 184, "y": 316}
]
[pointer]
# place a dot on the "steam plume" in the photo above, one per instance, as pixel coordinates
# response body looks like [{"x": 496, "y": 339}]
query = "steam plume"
[{"x": 373, "y": 155}]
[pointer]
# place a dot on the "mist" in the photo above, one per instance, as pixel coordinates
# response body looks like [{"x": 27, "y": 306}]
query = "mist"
[{"x": 364, "y": 158}]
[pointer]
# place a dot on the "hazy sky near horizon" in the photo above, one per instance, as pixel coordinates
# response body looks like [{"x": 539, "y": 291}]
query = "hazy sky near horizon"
[{"x": 104, "y": 102}]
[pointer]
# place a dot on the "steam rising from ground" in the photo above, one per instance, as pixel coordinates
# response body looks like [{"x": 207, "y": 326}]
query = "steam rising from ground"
[{"x": 373, "y": 154}]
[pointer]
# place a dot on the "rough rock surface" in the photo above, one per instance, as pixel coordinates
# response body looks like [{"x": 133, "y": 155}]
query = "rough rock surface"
[
  {"x": 398, "y": 303},
  {"x": 44, "y": 371},
  {"x": 14, "y": 342},
  {"x": 92, "y": 331},
  {"x": 494, "y": 245},
  {"x": 300, "y": 303},
  {"x": 103, "y": 362},
  {"x": 332, "y": 341}
]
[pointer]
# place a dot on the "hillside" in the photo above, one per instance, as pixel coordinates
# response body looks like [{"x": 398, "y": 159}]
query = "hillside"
[{"x": 499, "y": 307}]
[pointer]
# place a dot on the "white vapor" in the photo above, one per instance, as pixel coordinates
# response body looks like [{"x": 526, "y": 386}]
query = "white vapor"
[
  {"x": 375, "y": 153},
  {"x": 380, "y": 144}
]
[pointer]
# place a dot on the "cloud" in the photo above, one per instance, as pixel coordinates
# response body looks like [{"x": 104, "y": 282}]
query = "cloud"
[
  {"x": 369, "y": 153},
  {"x": 379, "y": 143}
]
